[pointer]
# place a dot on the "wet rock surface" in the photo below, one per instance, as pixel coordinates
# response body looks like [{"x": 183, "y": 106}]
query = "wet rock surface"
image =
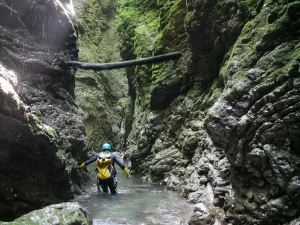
[
  {"x": 221, "y": 123},
  {"x": 255, "y": 123},
  {"x": 41, "y": 130},
  {"x": 64, "y": 214}
]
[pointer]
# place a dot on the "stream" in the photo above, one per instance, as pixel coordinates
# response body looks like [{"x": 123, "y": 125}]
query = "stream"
[{"x": 137, "y": 203}]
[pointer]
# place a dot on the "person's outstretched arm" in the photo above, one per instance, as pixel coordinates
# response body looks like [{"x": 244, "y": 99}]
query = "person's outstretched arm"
[
  {"x": 121, "y": 164},
  {"x": 93, "y": 159}
]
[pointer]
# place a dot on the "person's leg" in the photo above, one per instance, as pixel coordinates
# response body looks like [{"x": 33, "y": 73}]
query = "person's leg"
[
  {"x": 103, "y": 185},
  {"x": 98, "y": 185},
  {"x": 112, "y": 185},
  {"x": 115, "y": 182}
]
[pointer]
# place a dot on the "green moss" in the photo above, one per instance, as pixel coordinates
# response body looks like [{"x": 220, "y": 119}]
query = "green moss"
[
  {"x": 173, "y": 32},
  {"x": 143, "y": 25},
  {"x": 289, "y": 61},
  {"x": 93, "y": 19},
  {"x": 145, "y": 35},
  {"x": 259, "y": 37},
  {"x": 246, "y": 4},
  {"x": 206, "y": 98},
  {"x": 168, "y": 40},
  {"x": 128, "y": 18},
  {"x": 158, "y": 47},
  {"x": 138, "y": 26},
  {"x": 159, "y": 73},
  {"x": 296, "y": 53}
]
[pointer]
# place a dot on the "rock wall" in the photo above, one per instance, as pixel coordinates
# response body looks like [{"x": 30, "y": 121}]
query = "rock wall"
[
  {"x": 41, "y": 129},
  {"x": 101, "y": 96},
  {"x": 221, "y": 123},
  {"x": 256, "y": 119}
]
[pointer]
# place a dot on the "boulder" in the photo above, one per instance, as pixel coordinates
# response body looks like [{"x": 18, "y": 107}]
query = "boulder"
[{"x": 64, "y": 214}]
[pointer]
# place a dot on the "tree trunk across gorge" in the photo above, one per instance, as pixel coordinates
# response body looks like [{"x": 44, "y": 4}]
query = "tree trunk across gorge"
[{"x": 118, "y": 65}]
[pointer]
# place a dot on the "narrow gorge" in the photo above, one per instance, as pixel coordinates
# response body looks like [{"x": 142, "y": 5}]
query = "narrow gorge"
[{"x": 220, "y": 125}]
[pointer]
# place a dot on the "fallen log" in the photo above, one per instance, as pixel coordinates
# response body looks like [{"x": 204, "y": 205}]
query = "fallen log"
[{"x": 118, "y": 65}]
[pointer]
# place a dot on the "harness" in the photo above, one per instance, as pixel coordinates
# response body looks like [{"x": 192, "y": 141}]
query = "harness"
[{"x": 104, "y": 166}]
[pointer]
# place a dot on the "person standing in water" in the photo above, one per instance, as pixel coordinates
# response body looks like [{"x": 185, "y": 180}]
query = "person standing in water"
[{"x": 106, "y": 172}]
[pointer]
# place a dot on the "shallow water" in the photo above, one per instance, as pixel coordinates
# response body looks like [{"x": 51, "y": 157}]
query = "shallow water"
[{"x": 137, "y": 203}]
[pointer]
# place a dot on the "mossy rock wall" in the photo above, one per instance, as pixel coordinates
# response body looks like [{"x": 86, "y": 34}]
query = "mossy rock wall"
[
  {"x": 101, "y": 96},
  {"x": 220, "y": 124}
]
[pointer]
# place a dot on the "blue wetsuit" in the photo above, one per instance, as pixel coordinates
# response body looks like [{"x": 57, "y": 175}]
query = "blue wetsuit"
[{"x": 111, "y": 182}]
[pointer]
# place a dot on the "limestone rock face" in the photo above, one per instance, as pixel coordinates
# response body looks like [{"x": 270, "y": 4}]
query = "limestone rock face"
[
  {"x": 255, "y": 121},
  {"x": 64, "y": 214},
  {"x": 221, "y": 123},
  {"x": 41, "y": 129}
]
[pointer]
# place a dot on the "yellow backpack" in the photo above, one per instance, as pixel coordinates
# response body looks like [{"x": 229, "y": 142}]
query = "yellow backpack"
[{"x": 104, "y": 165}]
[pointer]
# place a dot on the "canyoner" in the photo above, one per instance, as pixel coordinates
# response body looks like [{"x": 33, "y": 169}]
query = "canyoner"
[{"x": 105, "y": 168}]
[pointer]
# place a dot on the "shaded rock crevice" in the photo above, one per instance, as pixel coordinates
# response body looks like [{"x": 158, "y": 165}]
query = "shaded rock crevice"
[{"x": 101, "y": 96}]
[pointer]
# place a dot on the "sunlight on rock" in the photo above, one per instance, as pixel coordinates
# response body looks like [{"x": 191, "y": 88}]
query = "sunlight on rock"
[
  {"x": 8, "y": 75},
  {"x": 68, "y": 8},
  {"x": 6, "y": 86},
  {"x": 8, "y": 80}
]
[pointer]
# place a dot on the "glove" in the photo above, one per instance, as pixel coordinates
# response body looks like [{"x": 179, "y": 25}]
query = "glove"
[
  {"x": 82, "y": 166},
  {"x": 126, "y": 171}
]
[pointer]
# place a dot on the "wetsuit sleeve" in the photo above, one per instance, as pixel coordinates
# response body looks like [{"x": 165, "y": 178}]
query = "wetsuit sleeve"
[
  {"x": 121, "y": 164},
  {"x": 117, "y": 159},
  {"x": 93, "y": 159}
]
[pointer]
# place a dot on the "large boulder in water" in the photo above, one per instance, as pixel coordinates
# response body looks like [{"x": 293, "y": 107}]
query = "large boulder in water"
[{"x": 63, "y": 214}]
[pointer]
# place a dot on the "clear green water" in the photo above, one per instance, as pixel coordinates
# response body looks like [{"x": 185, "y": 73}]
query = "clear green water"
[{"x": 137, "y": 203}]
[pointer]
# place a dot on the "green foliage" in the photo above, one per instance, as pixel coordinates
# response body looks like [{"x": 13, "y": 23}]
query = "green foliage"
[
  {"x": 128, "y": 18},
  {"x": 138, "y": 27},
  {"x": 145, "y": 35},
  {"x": 158, "y": 73}
]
